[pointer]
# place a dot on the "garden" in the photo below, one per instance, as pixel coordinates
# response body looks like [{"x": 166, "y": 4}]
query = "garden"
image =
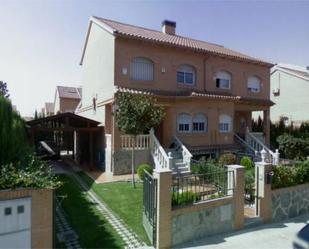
[
  {"x": 293, "y": 144},
  {"x": 19, "y": 166}
]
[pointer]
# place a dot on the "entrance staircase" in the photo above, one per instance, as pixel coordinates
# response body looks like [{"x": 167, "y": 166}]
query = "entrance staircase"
[
  {"x": 254, "y": 146},
  {"x": 177, "y": 158}
]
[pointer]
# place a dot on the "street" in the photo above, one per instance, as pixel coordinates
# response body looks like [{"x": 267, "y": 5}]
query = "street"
[{"x": 274, "y": 236}]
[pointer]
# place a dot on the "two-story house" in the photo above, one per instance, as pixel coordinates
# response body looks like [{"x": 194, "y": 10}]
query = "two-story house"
[
  {"x": 209, "y": 92},
  {"x": 289, "y": 90},
  {"x": 67, "y": 99},
  {"x": 49, "y": 109}
]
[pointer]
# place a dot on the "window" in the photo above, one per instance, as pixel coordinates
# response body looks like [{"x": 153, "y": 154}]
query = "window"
[
  {"x": 225, "y": 123},
  {"x": 7, "y": 211},
  {"x": 186, "y": 75},
  {"x": 184, "y": 122},
  {"x": 199, "y": 123},
  {"x": 141, "y": 69},
  {"x": 254, "y": 84},
  {"x": 20, "y": 209},
  {"x": 223, "y": 80}
]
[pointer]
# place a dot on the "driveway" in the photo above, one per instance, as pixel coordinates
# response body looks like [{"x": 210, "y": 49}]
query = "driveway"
[{"x": 274, "y": 236}]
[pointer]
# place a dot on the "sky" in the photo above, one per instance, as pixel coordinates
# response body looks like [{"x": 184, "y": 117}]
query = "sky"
[{"x": 41, "y": 41}]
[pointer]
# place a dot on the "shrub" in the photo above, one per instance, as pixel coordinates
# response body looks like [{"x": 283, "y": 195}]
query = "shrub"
[
  {"x": 31, "y": 173},
  {"x": 184, "y": 198},
  {"x": 141, "y": 172},
  {"x": 302, "y": 172},
  {"x": 216, "y": 195},
  {"x": 247, "y": 163},
  {"x": 13, "y": 140},
  {"x": 206, "y": 167},
  {"x": 293, "y": 147},
  {"x": 250, "y": 181},
  {"x": 284, "y": 176},
  {"x": 227, "y": 159}
]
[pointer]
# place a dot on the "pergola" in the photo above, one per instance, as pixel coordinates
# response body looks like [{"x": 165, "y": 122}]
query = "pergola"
[{"x": 69, "y": 132}]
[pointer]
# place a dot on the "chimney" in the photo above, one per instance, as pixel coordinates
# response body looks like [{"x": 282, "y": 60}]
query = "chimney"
[{"x": 169, "y": 27}]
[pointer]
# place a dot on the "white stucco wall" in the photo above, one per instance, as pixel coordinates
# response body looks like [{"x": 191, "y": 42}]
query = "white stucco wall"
[
  {"x": 98, "y": 70},
  {"x": 56, "y": 102},
  {"x": 293, "y": 101}
]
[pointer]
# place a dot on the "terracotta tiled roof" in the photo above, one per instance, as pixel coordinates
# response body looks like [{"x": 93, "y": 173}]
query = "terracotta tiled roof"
[
  {"x": 69, "y": 92},
  {"x": 49, "y": 107},
  {"x": 130, "y": 31},
  {"x": 159, "y": 93}
]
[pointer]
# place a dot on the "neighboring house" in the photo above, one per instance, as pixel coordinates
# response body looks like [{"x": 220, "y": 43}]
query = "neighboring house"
[
  {"x": 49, "y": 109},
  {"x": 209, "y": 92},
  {"x": 289, "y": 90},
  {"x": 67, "y": 99}
]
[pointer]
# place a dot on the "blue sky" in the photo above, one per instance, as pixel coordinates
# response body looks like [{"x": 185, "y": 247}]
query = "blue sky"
[{"x": 41, "y": 40}]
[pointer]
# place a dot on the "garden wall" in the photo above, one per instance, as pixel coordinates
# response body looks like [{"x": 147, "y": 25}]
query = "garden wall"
[
  {"x": 41, "y": 214},
  {"x": 123, "y": 160},
  {"x": 202, "y": 219},
  {"x": 290, "y": 202}
]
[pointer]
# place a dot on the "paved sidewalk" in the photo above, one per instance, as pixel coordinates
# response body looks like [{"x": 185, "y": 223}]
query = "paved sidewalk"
[
  {"x": 65, "y": 233},
  {"x": 274, "y": 236}
]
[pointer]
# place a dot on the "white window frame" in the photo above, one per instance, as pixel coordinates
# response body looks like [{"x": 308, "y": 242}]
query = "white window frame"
[
  {"x": 252, "y": 80},
  {"x": 184, "y": 119},
  {"x": 199, "y": 119},
  {"x": 223, "y": 75},
  {"x": 136, "y": 69},
  {"x": 186, "y": 69},
  {"x": 225, "y": 123}
]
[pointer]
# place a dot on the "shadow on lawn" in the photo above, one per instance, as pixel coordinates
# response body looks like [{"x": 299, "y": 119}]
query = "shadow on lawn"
[{"x": 93, "y": 230}]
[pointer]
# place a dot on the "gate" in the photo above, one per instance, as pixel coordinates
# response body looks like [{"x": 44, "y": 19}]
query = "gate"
[{"x": 150, "y": 207}]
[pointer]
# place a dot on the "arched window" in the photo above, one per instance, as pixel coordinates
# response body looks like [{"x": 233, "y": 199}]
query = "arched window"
[
  {"x": 141, "y": 69},
  {"x": 225, "y": 123},
  {"x": 186, "y": 75},
  {"x": 199, "y": 123},
  {"x": 223, "y": 80},
  {"x": 254, "y": 84},
  {"x": 184, "y": 122}
]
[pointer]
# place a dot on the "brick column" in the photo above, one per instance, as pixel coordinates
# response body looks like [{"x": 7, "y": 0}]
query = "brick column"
[
  {"x": 164, "y": 209},
  {"x": 263, "y": 199},
  {"x": 237, "y": 180}
]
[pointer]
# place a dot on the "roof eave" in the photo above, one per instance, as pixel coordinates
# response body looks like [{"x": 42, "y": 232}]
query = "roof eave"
[{"x": 94, "y": 19}]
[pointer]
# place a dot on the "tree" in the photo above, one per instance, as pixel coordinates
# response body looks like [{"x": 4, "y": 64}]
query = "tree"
[
  {"x": 4, "y": 90},
  {"x": 137, "y": 114},
  {"x": 13, "y": 140}
]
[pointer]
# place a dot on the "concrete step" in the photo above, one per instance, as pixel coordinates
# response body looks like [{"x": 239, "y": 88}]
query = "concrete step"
[{"x": 183, "y": 173}]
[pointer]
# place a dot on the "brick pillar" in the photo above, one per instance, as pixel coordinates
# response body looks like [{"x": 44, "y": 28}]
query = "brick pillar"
[
  {"x": 164, "y": 209},
  {"x": 237, "y": 180},
  {"x": 263, "y": 199}
]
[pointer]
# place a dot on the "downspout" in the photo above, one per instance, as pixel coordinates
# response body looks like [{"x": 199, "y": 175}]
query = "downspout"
[{"x": 204, "y": 72}]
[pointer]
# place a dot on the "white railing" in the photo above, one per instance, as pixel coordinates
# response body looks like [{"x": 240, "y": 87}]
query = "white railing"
[
  {"x": 139, "y": 142},
  {"x": 186, "y": 155},
  {"x": 162, "y": 160},
  {"x": 258, "y": 146}
]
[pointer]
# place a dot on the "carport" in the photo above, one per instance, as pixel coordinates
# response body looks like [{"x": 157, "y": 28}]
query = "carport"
[{"x": 70, "y": 135}]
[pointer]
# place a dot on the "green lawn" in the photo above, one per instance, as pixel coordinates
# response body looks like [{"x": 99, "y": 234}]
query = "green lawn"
[
  {"x": 92, "y": 228},
  {"x": 123, "y": 200}
]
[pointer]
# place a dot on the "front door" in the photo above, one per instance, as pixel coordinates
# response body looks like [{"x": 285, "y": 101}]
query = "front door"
[{"x": 240, "y": 124}]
